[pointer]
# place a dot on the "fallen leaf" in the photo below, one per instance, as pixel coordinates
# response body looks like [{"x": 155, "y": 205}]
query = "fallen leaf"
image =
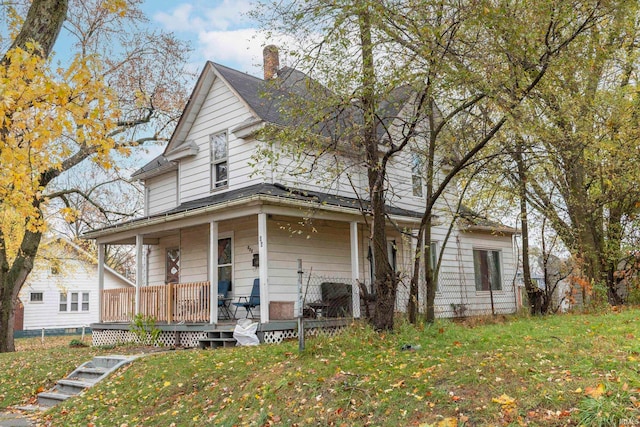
[
  {"x": 595, "y": 392},
  {"x": 504, "y": 400}
]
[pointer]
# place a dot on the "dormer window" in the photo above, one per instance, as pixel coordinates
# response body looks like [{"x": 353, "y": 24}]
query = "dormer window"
[{"x": 219, "y": 163}]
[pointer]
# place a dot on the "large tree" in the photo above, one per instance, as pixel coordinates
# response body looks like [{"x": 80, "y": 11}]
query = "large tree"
[
  {"x": 120, "y": 87},
  {"x": 578, "y": 145},
  {"x": 442, "y": 63}
]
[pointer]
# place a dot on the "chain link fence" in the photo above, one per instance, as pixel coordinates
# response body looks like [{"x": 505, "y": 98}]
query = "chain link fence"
[{"x": 456, "y": 296}]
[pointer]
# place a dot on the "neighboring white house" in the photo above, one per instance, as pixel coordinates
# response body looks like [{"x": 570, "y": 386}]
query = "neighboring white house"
[
  {"x": 211, "y": 215},
  {"x": 62, "y": 289}
]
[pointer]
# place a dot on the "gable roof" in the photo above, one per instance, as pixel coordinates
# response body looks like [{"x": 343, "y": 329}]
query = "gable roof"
[
  {"x": 83, "y": 255},
  {"x": 267, "y": 100}
]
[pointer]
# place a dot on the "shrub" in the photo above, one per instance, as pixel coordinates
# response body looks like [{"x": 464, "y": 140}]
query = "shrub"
[{"x": 145, "y": 329}]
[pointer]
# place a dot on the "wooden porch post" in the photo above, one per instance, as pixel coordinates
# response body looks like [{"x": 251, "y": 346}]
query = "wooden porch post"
[
  {"x": 100, "y": 280},
  {"x": 264, "y": 268},
  {"x": 213, "y": 272},
  {"x": 139, "y": 271},
  {"x": 355, "y": 269}
]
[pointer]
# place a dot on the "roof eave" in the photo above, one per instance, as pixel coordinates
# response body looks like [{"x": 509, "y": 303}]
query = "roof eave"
[
  {"x": 198, "y": 95},
  {"x": 496, "y": 230},
  {"x": 188, "y": 149},
  {"x": 248, "y": 128},
  {"x": 155, "y": 172},
  {"x": 282, "y": 201}
]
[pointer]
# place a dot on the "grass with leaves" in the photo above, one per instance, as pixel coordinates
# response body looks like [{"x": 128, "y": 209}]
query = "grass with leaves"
[{"x": 557, "y": 370}]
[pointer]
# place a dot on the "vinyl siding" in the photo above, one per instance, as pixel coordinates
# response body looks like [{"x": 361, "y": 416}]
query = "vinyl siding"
[
  {"x": 76, "y": 276},
  {"x": 162, "y": 193},
  {"x": 457, "y": 279},
  {"x": 157, "y": 259},
  {"x": 221, "y": 112}
]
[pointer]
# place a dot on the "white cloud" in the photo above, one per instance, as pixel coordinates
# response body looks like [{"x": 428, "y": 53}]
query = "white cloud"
[
  {"x": 195, "y": 18},
  {"x": 219, "y": 31},
  {"x": 179, "y": 19},
  {"x": 230, "y": 14},
  {"x": 240, "y": 49}
]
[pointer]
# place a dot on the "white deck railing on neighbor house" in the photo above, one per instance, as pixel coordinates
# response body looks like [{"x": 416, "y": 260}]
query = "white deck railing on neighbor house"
[{"x": 171, "y": 303}]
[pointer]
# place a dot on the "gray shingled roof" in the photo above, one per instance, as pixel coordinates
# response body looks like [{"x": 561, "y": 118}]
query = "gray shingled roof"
[
  {"x": 275, "y": 190},
  {"x": 156, "y": 163},
  {"x": 279, "y": 190},
  {"x": 269, "y": 98}
]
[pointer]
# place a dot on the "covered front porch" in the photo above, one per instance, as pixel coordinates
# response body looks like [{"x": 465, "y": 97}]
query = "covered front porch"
[
  {"x": 182, "y": 257},
  {"x": 181, "y": 263}
]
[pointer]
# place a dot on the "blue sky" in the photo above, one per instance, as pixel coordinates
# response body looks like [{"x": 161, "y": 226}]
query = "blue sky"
[{"x": 219, "y": 30}]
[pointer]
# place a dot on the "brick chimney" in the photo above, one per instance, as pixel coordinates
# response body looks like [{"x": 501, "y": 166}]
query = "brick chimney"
[{"x": 271, "y": 62}]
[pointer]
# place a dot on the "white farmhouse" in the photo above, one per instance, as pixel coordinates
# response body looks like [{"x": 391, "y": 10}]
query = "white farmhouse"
[{"x": 212, "y": 216}]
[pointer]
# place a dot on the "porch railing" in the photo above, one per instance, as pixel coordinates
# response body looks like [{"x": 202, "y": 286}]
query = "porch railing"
[
  {"x": 118, "y": 305},
  {"x": 179, "y": 302}
]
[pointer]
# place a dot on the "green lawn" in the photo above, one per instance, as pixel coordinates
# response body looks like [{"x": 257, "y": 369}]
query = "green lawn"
[{"x": 559, "y": 370}]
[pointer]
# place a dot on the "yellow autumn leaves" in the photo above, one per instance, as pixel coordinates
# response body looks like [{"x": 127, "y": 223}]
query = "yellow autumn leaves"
[{"x": 47, "y": 117}]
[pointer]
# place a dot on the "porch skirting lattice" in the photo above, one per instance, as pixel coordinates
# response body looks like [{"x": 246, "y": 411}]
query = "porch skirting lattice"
[
  {"x": 165, "y": 339},
  {"x": 191, "y": 339}
]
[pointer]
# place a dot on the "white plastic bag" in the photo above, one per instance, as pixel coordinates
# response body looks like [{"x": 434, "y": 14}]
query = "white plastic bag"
[{"x": 245, "y": 332}]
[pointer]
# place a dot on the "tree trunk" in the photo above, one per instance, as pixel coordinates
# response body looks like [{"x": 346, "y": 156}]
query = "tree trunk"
[
  {"x": 426, "y": 219},
  {"x": 533, "y": 292},
  {"x": 11, "y": 280},
  {"x": 41, "y": 26},
  {"x": 385, "y": 278},
  {"x": 413, "y": 304},
  {"x": 613, "y": 255}
]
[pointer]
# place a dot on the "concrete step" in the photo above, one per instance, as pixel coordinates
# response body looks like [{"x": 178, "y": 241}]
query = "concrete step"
[
  {"x": 47, "y": 399},
  {"x": 88, "y": 374},
  {"x": 72, "y": 387},
  {"x": 83, "y": 377},
  {"x": 217, "y": 342},
  {"x": 107, "y": 361}
]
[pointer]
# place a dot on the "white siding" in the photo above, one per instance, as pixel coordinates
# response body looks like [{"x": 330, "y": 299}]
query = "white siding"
[
  {"x": 221, "y": 111},
  {"x": 324, "y": 252},
  {"x": 329, "y": 173},
  {"x": 194, "y": 252},
  {"x": 400, "y": 181},
  {"x": 75, "y": 276},
  {"x": 162, "y": 192},
  {"x": 457, "y": 277}
]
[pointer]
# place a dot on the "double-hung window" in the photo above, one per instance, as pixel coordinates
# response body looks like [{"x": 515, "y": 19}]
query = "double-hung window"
[
  {"x": 74, "y": 301},
  {"x": 219, "y": 161},
  {"x": 225, "y": 259},
  {"x": 486, "y": 265}
]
